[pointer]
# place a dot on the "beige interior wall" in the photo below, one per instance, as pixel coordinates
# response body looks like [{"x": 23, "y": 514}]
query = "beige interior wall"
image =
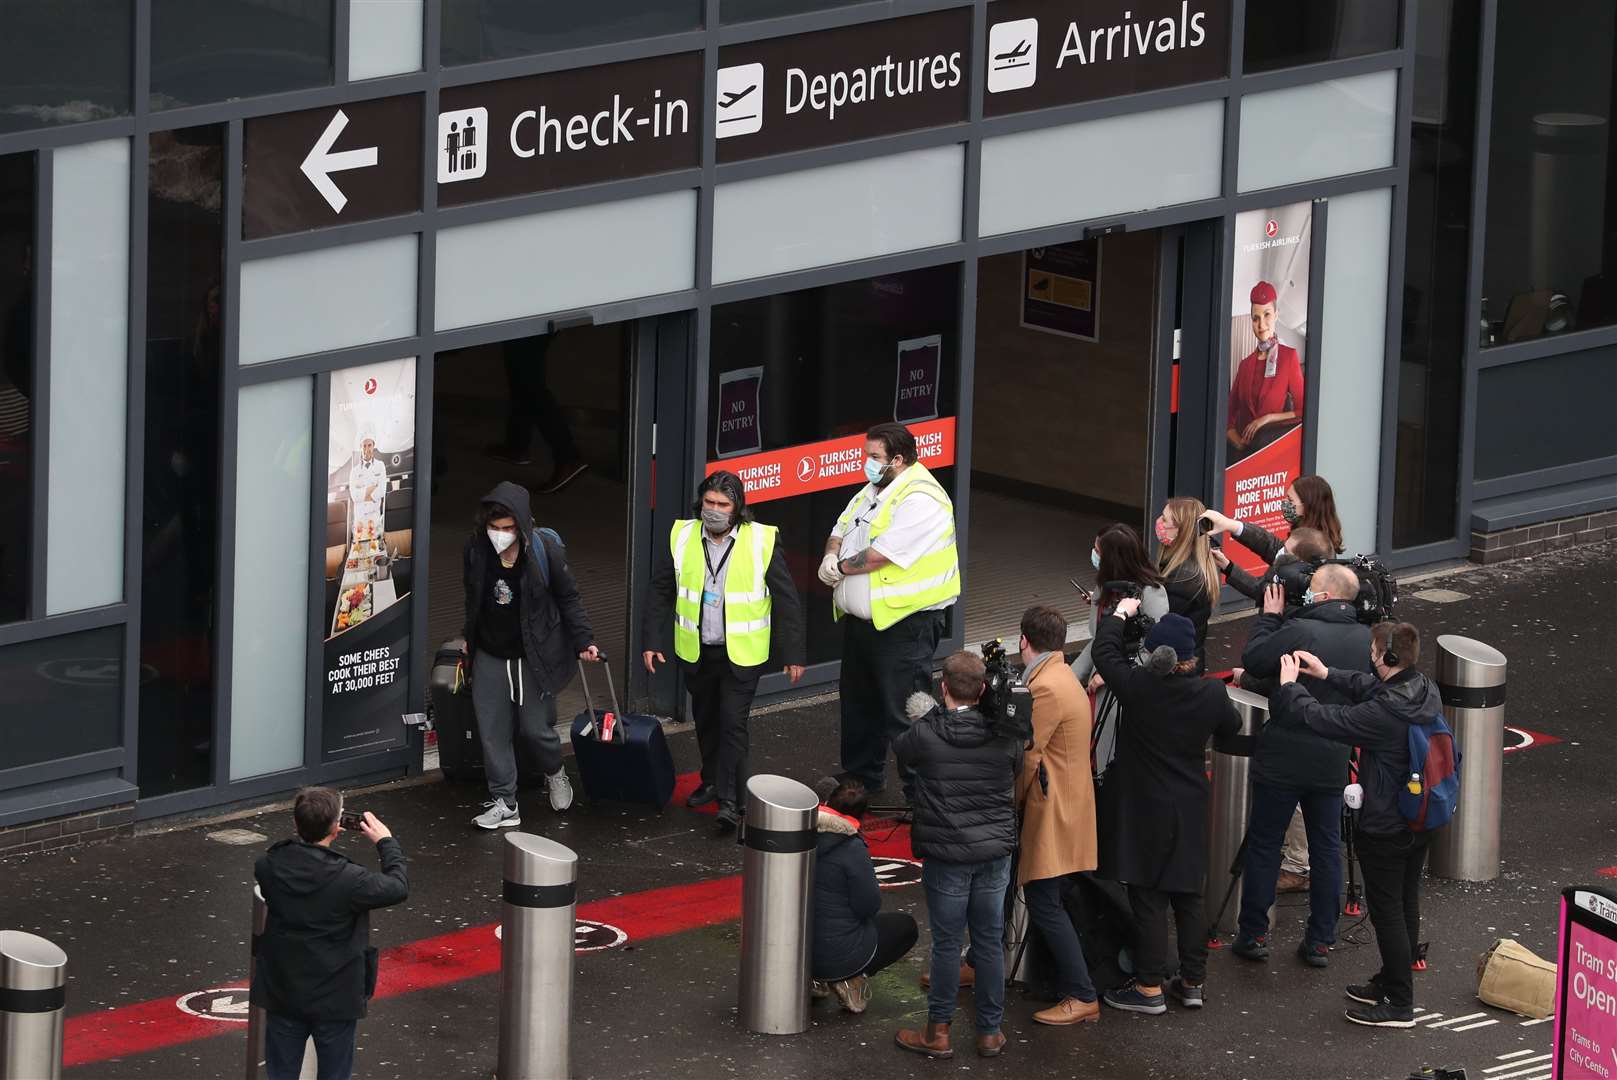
[{"x": 1059, "y": 412}]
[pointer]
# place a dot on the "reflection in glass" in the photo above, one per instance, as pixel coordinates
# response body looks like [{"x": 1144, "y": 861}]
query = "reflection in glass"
[
  {"x": 185, "y": 242},
  {"x": 1285, "y": 33},
  {"x": 219, "y": 50},
  {"x": 1436, "y": 254},
  {"x": 475, "y": 30},
  {"x": 1551, "y": 259},
  {"x": 828, "y": 363},
  {"x": 17, "y": 180},
  {"x": 732, "y": 11},
  {"x": 63, "y": 62},
  {"x": 64, "y": 696}
]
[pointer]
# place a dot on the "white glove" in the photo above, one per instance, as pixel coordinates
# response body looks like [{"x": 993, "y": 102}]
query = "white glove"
[{"x": 828, "y": 570}]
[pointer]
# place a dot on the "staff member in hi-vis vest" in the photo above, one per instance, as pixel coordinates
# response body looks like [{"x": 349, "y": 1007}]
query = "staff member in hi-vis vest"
[
  {"x": 733, "y": 602},
  {"x": 892, "y": 564}
]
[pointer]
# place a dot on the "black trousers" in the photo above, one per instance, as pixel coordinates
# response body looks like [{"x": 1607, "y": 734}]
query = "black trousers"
[
  {"x": 880, "y": 669},
  {"x": 1151, "y": 906},
  {"x": 721, "y": 703},
  {"x": 1392, "y": 868},
  {"x": 896, "y": 934}
]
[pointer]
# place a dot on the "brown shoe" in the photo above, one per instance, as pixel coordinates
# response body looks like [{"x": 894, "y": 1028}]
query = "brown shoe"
[
  {"x": 1069, "y": 1011},
  {"x": 991, "y": 1045},
  {"x": 1290, "y": 882},
  {"x": 968, "y": 978},
  {"x": 931, "y": 1040}
]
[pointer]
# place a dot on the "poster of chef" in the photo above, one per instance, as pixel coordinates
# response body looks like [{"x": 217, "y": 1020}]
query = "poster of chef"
[
  {"x": 1263, "y": 435},
  {"x": 370, "y": 479}
]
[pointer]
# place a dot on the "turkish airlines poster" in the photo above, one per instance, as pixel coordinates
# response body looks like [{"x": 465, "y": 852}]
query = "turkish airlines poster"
[
  {"x": 831, "y": 463},
  {"x": 1263, "y": 437}
]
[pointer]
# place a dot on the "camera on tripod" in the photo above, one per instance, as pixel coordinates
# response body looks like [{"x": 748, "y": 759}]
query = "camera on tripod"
[{"x": 1006, "y": 703}]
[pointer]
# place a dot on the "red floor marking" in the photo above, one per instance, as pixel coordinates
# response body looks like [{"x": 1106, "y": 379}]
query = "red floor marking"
[
  {"x": 438, "y": 961},
  {"x": 1526, "y": 739},
  {"x": 1607, "y": 871}
]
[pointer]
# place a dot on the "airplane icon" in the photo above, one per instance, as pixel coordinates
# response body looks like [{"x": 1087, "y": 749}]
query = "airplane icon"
[
  {"x": 1013, "y": 55},
  {"x": 1016, "y": 54},
  {"x": 731, "y": 98},
  {"x": 740, "y": 100}
]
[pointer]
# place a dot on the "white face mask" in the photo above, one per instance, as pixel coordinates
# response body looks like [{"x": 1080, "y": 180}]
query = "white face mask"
[{"x": 501, "y": 539}]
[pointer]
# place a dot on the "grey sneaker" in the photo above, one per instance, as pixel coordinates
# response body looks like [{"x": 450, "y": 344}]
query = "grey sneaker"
[
  {"x": 499, "y": 815},
  {"x": 854, "y": 993},
  {"x": 561, "y": 790}
]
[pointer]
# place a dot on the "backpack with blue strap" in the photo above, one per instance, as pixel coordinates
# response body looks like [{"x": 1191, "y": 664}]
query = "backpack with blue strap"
[
  {"x": 542, "y": 554},
  {"x": 1431, "y": 791}
]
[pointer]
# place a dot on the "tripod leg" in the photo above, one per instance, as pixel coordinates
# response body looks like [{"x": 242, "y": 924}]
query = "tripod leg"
[{"x": 1236, "y": 867}]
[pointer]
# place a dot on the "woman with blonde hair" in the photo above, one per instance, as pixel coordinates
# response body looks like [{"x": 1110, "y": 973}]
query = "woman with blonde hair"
[{"x": 1189, "y": 573}]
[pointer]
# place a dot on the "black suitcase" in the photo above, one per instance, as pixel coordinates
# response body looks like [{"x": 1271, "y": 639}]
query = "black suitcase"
[
  {"x": 636, "y": 766},
  {"x": 460, "y": 750}
]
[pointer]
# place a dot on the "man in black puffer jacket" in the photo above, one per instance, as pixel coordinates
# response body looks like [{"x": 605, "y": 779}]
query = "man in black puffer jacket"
[
  {"x": 1294, "y": 767},
  {"x": 964, "y": 832}
]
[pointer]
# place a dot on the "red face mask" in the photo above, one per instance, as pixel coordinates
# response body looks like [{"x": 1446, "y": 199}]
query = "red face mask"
[{"x": 1165, "y": 534}]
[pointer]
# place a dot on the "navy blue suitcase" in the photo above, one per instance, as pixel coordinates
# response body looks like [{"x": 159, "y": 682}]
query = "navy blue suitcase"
[{"x": 635, "y": 767}]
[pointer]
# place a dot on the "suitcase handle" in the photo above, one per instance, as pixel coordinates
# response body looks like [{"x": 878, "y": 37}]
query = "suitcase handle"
[{"x": 589, "y": 702}]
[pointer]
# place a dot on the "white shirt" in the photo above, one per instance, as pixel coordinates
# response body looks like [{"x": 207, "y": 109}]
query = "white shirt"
[
  {"x": 920, "y": 526},
  {"x": 362, "y": 477}
]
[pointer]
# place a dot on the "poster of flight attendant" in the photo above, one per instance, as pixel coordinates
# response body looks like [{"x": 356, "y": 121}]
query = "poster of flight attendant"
[{"x": 1263, "y": 434}]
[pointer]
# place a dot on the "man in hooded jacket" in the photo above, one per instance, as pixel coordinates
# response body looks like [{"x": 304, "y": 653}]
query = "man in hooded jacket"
[
  {"x": 313, "y": 969},
  {"x": 525, "y": 624}
]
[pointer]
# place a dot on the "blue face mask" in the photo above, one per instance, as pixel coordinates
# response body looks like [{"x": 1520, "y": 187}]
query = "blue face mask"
[
  {"x": 874, "y": 470},
  {"x": 1312, "y": 597},
  {"x": 1094, "y": 558}
]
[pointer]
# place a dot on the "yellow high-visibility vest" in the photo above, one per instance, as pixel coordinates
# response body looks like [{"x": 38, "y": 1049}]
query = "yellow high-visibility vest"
[
  {"x": 746, "y": 596},
  {"x": 895, "y": 591}
]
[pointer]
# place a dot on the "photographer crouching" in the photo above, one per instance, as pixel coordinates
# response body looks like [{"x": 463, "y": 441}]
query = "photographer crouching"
[
  {"x": 315, "y": 970},
  {"x": 1153, "y": 804},
  {"x": 964, "y": 833}
]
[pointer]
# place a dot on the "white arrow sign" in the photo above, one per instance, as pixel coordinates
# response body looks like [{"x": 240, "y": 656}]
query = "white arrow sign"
[
  {"x": 229, "y": 1006},
  {"x": 321, "y": 162}
]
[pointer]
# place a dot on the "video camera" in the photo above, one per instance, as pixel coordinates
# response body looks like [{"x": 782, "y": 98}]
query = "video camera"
[
  {"x": 1006, "y": 703},
  {"x": 1136, "y": 626},
  {"x": 1378, "y": 589}
]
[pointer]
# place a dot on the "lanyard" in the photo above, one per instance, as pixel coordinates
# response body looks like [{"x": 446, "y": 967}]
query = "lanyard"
[{"x": 713, "y": 571}]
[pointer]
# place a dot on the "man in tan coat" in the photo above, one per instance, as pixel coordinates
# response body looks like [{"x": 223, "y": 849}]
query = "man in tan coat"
[{"x": 1056, "y": 796}]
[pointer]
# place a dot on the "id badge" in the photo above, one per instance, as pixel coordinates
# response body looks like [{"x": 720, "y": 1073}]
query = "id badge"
[{"x": 710, "y": 598}]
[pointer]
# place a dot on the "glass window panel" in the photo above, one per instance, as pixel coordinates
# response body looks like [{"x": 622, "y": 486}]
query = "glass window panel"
[
  {"x": 17, "y": 232},
  {"x": 1054, "y": 175},
  {"x": 1354, "y": 347},
  {"x": 829, "y": 360},
  {"x": 731, "y": 11},
  {"x": 488, "y": 272},
  {"x": 475, "y": 30},
  {"x": 89, "y": 371},
  {"x": 63, "y": 61},
  {"x": 308, "y": 302},
  {"x": 1436, "y": 262},
  {"x": 1542, "y": 413},
  {"x": 220, "y": 50},
  {"x": 1324, "y": 129},
  {"x": 1285, "y": 33},
  {"x": 64, "y": 696},
  {"x": 180, "y": 550},
  {"x": 270, "y": 622},
  {"x": 384, "y": 38},
  {"x": 837, "y": 213},
  {"x": 1550, "y": 260}
]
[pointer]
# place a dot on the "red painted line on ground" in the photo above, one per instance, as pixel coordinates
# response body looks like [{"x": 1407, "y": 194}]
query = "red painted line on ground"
[
  {"x": 437, "y": 961},
  {"x": 1607, "y": 871}
]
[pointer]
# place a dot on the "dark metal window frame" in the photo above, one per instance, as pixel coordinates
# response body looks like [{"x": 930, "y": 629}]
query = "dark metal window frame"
[{"x": 699, "y": 301}]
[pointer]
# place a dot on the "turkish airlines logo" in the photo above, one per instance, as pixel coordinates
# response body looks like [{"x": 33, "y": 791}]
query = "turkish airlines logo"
[
  {"x": 370, "y": 386},
  {"x": 1271, "y": 229},
  {"x": 805, "y": 468}
]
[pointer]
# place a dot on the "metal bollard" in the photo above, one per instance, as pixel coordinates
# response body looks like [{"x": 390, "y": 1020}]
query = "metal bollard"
[
  {"x": 1227, "y": 811},
  {"x": 777, "y": 880},
  {"x": 33, "y": 999},
  {"x": 536, "y": 958},
  {"x": 1471, "y": 678}
]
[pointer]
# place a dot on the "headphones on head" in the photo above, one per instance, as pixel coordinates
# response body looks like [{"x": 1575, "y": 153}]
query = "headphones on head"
[{"x": 1390, "y": 658}]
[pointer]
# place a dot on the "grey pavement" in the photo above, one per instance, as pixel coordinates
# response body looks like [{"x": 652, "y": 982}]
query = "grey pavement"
[{"x": 156, "y": 917}]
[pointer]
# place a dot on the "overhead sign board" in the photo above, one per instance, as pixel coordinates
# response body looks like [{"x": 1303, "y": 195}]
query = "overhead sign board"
[
  {"x": 836, "y": 86},
  {"x": 331, "y": 166},
  {"x": 566, "y": 128},
  {"x": 1057, "y": 52}
]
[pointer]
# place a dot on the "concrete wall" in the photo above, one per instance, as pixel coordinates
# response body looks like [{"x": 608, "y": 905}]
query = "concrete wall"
[{"x": 1065, "y": 414}]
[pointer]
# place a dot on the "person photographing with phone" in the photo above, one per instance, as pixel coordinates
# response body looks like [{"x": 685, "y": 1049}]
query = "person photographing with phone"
[{"x": 315, "y": 971}]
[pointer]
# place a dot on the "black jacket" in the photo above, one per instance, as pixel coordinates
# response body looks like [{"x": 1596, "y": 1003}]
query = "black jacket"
[
  {"x": 314, "y": 960},
  {"x": 1291, "y": 756},
  {"x": 555, "y": 628},
  {"x": 1152, "y": 808},
  {"x": 786, "y": 633},
  {"x": 1266, "y": 546},
  {"x": 1187, "y": 596},
  {"x": 1378, "y": 724},
  {"x": 965, "y": 778},
  {"x": 846, "y": 899}
]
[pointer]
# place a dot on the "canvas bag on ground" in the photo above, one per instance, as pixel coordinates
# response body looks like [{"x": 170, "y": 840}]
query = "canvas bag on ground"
[{"x": 1510, "y": 976}]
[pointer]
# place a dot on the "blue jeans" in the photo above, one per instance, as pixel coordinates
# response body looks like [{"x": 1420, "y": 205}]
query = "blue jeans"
[
  {"x": 1266, "y": 831},
  {"x": 284, "y": 1037},
  {"x": 1046, "y": 911},
  {"x": 958, "y": 896}
]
